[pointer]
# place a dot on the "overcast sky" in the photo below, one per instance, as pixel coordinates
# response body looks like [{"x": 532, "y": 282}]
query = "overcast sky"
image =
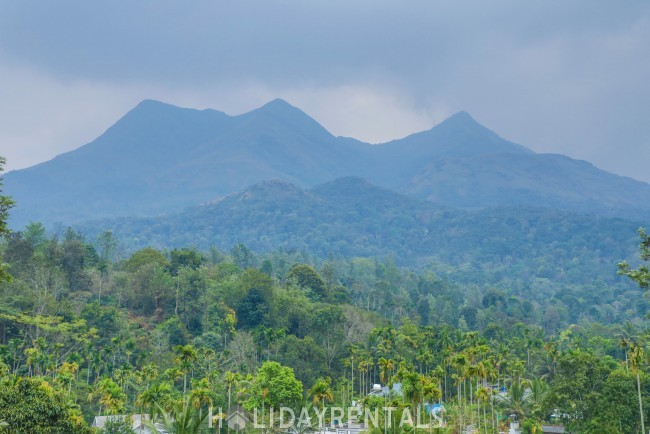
[{"x": 569, "y": 77}]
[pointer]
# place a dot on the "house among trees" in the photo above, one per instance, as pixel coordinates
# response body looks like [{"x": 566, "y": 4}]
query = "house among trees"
[{"x": 138, "y": 422}]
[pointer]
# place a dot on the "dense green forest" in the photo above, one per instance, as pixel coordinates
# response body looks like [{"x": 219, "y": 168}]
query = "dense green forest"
[
  {"x": 538, "y": 255},
  {"x": 184, "y": 334},
  {"x": 94, "y": 334}
]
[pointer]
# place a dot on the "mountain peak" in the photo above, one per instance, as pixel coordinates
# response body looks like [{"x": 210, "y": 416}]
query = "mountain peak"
[
  {"x": 462, "y": 120},
  {"x": 467, "y": 136},
  {"x": 152, "y": 106},
  {"x": 147, "y": 103},
  {"x": 352, "y": 188},
  {"x": 280, "y": 112},
  {"x": 275, "y": 189},
  {"x": 463, "y": 115},
  {"x": 279, "y": 103},
  {"x": 280, "y": 108}
]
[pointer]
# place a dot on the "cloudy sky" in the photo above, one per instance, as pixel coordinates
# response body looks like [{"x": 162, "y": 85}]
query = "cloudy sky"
[{"x": 568, "y": 77}]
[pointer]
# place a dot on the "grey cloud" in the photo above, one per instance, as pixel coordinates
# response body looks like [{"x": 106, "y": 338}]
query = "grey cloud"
[{"x": 557, "y": 76}]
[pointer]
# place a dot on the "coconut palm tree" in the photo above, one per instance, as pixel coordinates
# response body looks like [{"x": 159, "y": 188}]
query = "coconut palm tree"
[
  {"x": 321, "y": 392},
  {"x": 517, "y": 395},
  {"x": 538, "y": 391},
  {"x": 155, "y": 397},
  {"x": 182, "y": 418}
]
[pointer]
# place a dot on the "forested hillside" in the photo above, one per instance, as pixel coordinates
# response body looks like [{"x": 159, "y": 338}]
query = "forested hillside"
[
  {"x": 286, "y": 296},
  {"x": 537, "y": 254},
  {"x": 114, "y": 334}
]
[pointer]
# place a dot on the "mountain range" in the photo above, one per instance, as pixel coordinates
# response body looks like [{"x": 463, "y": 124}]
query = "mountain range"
[
  {"x": 350, "y": 217},
  {"x": 160, "y": 159}
]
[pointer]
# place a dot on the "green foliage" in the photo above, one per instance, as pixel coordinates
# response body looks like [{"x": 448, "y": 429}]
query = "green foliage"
[
  {"x": 321, "y": 392},
  {"x": 275, "y": 386},
  {"x": 182, "y": 418},
  {"x": 642, "y": 274},
  {"x": 214, "y": 333},
  {"x": 118, "y": 425},
  {"x": 577, "y": 387},
  {"x": 305, "y": 277},
  {"x": 190, "y": 258},
  {"x": 144, "y": 257},
  {"x": 6, "y": 203},
  {"x": 253, "y": 310},
  {"x": 32, "y": 406},
  {"x": 531, "y": 426}
]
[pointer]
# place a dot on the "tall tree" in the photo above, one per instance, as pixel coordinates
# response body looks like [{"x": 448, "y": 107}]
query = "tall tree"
[
  {"x": 636, "y": 359},
  {"x": 306, "y": 277},
  {"x": 182, "y": 418},
  {"x": 186, "y": 355},
  {"x": 5, "y": 205},
  {"x": 640, "y": 275},
  {"x": 230, "y": 378},
  {"x": 284, "y": 390},
  {"x": 321, "y": 392},
  {"x": 155, "y": 397}
]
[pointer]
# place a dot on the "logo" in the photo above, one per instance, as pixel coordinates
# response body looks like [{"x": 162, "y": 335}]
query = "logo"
[{"x": 237, "y": 420}]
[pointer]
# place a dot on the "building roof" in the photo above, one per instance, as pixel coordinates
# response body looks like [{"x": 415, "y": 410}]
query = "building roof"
[
  {"x": 100, "y": 421},
  {"x": 395, "y": 391}
]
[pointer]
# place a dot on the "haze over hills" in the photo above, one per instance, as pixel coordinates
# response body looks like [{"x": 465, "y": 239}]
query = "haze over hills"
[
  {"x": 160, "y": 159},
  {"x": 350, "y": 217}
]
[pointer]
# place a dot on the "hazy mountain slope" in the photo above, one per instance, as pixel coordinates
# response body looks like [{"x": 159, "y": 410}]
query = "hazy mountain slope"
[
  {"x": 350, "y": 217},
  {"x": 120, "y": 172},
  {"x": 160, "y": 159},
  {"x": 274, "y": 141},
  {"x": 543, "y": 180},
  {"x": 458, "y": 136}
]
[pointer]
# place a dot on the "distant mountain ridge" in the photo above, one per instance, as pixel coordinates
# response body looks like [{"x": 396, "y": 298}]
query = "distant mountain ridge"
[
  {"x": 159, "y": 158},
  {"x": 350, "y": 217}
]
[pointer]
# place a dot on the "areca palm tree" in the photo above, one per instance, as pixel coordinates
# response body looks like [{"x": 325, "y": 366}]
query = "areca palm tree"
[
  {"x": 244, "y": 388},
  {"x": 482, "y": 395},
  {"x": 636, "y": 359},
  {"x": 67, "y": 374},
  {"x": 425, "y": 357},
  {"x": 412, "y": 384},
  {"x": 460, "y": 363},
  {"x": 109, "y": 395},
  {"x": 430, "y": 390},
  {"x": 230, "y": 378},
  {"x": 201, "y": 394},
  {"x": 150, "y": 373},
  {"x": 386, "y": 367},
  {"x": 549, "y": 364},
  {"x": 364, "y": 366},
  {"x": 185, "y": 357}
]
